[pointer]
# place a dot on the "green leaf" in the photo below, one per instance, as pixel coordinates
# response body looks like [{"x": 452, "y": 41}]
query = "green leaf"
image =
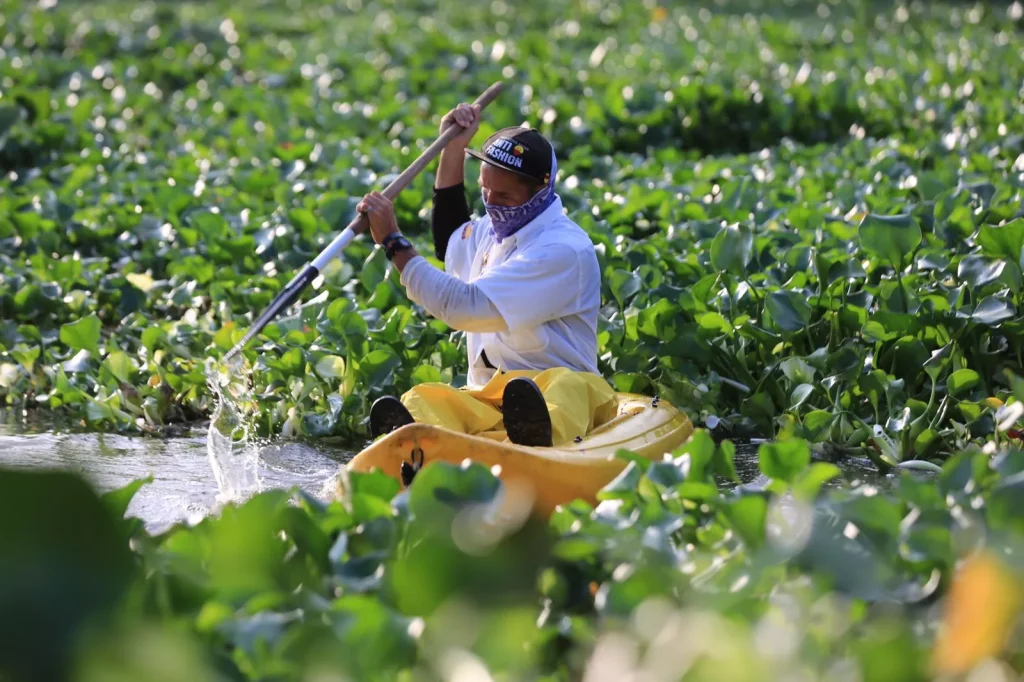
[
  {"x": 225, "y": 336},
  {"x": 83, "y": 334},
  {"x": 576, "y": 548},
  {"x": 66, "y": 564},
  {"x": 28, "y": 298},
  {"x": 624, "y": 285},
  {"x": 1006, "y": 505},
  {"x": 875, "y": 332},
  {"x": 731, "y": 249},
  {"x": 118, "y": 500},
  {"x": 26, "y": 356},
  {"x": 151, "y": 337},
  {"x": 962, "y": 380},
  {"x": 140, "y": 281},
  {"x": 784, "y": 460},
  {"x": 800, "y": 395},
  {"x": 810, "y": 481},
  {"x": 890, "y": 237},
  {"x": 977, "y": 271},
  {"x": 658, "y": 321},
  {"x": 426, "y": 374},
  {"x": 330, "y": 367},
  {"x": 724, "y": 461},
  {"x": 993, "y": 310},
  {"x": 350, "y": 324},
  {"x": 245, "y": 550},
  {"x": 789, "y": 309},
  {"x": 440, "y": 489},
  {"x": 817, "y": 423},
  {"x": 78, "y": 177},
  {"x": 937, "y": 361},
  {"x": 212, "y": 226},
  {"x": 1003, "y": 241},
  {"x": 624, "y": 485},
  {"x": 845, "y": 360},
  {"x": 747, "y": 515},
  {"x": 929, "y": 543},
  {"x": 797, "y": 370},
  {"x": 120, "y": 365},
  {"x": 714, "y": 322},
  {"x": 698, "y": 452},
  {"x": 8, "y": 117},
  {"x": 334, "y": 209},
  {"x": 665, "y": 474},
  {"x": 375, "y": 484},
  {"x": 377, "y": 367},
  {"x": 374, "y": 270}
]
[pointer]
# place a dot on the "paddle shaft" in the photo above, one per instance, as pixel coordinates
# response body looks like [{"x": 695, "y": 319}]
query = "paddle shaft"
[{"x": 358, "y": 225}]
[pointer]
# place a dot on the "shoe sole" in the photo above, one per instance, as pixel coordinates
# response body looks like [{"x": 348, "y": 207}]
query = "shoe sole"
[
  {"x": 388, "y": 417},
  {"x": 526, "y": 416}
]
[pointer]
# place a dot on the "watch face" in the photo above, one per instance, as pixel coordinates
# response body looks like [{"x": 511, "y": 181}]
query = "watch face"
[{"x": 398, "y": 244}]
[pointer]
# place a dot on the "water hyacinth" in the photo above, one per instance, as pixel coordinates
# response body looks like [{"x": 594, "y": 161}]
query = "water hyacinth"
[{"x": 808, "y": 217}]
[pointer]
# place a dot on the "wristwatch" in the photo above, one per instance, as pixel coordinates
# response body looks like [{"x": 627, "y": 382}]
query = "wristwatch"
[{"x": 394, "y": 243}]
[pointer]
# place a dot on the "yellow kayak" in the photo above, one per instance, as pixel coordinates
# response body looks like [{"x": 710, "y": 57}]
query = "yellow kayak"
[{"x": 551, "y": 476}]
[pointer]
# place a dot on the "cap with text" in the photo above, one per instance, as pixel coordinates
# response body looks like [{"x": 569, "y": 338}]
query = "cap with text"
[{"x": 520, "y": 150}]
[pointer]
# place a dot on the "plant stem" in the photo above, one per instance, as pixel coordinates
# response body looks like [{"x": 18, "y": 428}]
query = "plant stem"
[
  {"x": 903, "y": 293},
  {"x": 746, "y": 280}
]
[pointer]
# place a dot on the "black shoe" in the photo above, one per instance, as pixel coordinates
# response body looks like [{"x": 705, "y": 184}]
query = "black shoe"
[
  {"x": 386, "y": 415},
  {"x": 526, "y": 417}
]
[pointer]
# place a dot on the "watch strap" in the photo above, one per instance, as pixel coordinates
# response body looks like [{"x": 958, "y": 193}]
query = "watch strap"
[{"x": 394, "y": 243}]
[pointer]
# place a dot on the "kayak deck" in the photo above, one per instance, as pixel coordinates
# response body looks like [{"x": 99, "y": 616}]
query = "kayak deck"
[{"x": 552, "y": 476}]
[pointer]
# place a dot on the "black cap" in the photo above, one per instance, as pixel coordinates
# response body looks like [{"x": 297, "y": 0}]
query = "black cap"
[{"x": 523, "y": 151}]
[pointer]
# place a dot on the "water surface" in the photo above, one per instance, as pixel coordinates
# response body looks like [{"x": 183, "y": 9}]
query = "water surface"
[{"x": 184, "y": 487}]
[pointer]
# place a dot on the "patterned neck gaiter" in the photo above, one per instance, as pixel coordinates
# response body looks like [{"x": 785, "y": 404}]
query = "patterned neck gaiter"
[{"x": 507, "y": 220}]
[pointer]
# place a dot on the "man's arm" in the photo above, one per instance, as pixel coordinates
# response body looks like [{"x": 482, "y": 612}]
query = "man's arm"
[
  {"x": 507, "y": 297},
  {"x": 460, "y": 305},
  {"x": 451, "y": 167},
  {"x": 451, "y": 211}
]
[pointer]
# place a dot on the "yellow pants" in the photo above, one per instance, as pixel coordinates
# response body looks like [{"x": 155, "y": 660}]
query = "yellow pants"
[{"x": 577, "y": 402}]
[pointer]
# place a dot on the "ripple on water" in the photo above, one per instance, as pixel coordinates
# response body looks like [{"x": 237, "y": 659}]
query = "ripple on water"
[{"x": 183, "y": 487}]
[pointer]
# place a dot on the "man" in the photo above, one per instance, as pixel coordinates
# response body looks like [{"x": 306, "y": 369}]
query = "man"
[{"x": 523, "y": 282}]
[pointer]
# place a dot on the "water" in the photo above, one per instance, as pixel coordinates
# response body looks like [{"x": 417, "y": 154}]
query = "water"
[
  {"x": 193, "y": 476},
  {"x": 234, "y": 458},
  {"x": 853, "y": 471},
  {"x": 183, "y": 487}
]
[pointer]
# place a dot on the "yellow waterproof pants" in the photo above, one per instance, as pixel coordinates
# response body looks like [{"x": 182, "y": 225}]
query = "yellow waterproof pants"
[{"x": 577, "y": 402}]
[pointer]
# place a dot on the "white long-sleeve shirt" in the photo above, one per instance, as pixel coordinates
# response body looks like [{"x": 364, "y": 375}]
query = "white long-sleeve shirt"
[
  {"x": 460, "y": 305},
  {"x": 530, "y": 302}
]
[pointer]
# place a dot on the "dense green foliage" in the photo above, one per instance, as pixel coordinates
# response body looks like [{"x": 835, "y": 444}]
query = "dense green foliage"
[
  {"x": 668, "y": 577},
  {"x": 794, "y": 213},
  {"x": 810, "y": 223}
]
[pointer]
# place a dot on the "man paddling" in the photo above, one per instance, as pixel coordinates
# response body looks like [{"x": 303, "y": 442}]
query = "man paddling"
[{"x": 523, "y": 282}]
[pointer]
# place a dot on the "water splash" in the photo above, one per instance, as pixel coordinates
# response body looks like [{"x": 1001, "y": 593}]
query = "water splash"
[{"x": 234, "y": 456}]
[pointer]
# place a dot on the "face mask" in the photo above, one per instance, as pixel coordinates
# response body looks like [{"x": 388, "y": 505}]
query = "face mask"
[{"x": 507, "y": 220}]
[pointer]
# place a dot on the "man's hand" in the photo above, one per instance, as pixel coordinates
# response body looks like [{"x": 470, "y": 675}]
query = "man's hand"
[
  {"x": 450, "y": 168},
  {"x": 381, "y": 214},
  {"x": 467, "y": 116}
]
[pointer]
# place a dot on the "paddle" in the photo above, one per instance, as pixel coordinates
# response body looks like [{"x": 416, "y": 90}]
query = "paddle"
[{"x": 356, "y": 227}]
